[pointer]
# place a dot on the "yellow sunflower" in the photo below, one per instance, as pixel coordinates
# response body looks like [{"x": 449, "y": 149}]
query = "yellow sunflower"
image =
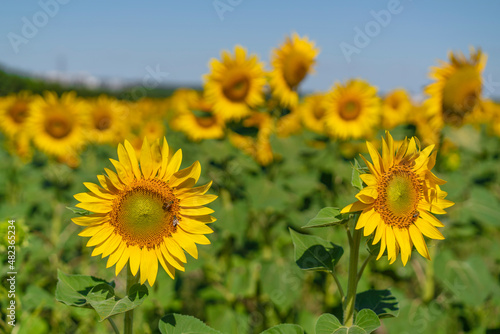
[
  {"x": 14, "y": 110},
  {"x": 457, "y": 89},
  {"x": 313, "y": 112},
  {"x": 235, "y": 85},
  {"x": 289, "y": 124},
  {"x": 147, "y": 212},
  {"x": 352, "y": 110},
  {"x": 291, "y": 63},
  {"x": 58, "y": 125},
  {"x": 396, "y": 107},
  {"x": 400, "y": 198},
  {"x": 108, "y": 120},
  {"x": 197, "y": 119}
]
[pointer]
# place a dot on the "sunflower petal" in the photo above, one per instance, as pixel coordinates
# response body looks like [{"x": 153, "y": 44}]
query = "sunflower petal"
[
  {"x": 428, "y": 229},
  {"x": 418, "y": 241},
  {"x": 146, "y": 159}
]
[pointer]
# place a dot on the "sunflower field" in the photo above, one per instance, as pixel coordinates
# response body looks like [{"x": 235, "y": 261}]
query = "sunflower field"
[{"x": 248, "y": 206}]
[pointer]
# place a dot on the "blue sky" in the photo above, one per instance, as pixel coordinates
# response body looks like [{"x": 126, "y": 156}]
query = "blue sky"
[{"x": 120, "y": 39}]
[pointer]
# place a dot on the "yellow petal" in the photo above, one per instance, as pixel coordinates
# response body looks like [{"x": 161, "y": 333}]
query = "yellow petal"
[
  {"x": 391, "y": 244},
  {"x": 107, "y": 184},
  {"x": 364, "y": 217},
  {"x": 382, "y": 243},
  {"x": 428, "y": 230},
  {"x": 169, "y": 258},
  {"x": 372, "y": 223},
  {"x": 418, "y": 241},
  {"x": 91, "y": 220},
  {"x": 116, "y": 255},
  {"x": 153, "y": 268},
  {"x": 367, "y": 195},
  {"x": 114, "y": 179},
  {"x": 205, "y": 219},
  {"x": 192, "y": 226},
  {"x": 186, "y": 192},
  {"x": 164, "y": 159},
  {"x": 378, "y": 234},
  {"x": 375, "y": 157},
  {"x": 199, "y": 238},
  {"x": 145, "y": 264},
  {"x": 125, "y": 160},
  {"x": 372, "y": 169},
  {"x": 112, "y": 244},
  {"x": 354, "y": 207},
  {"x": 88, "y": 197},
  {"x": 135, "y": 259},
  {"x": 430, "y": 218},
  {"x": 96, "y": 207},
  {"x": 192, "y": 172},
  {"x": 101, "y": 192},
  {"x": 173, "y": 165},
  {"x": 124, "y": 177},
  {"x": 198, "y": 200},
  {"x": 403, "y": 240},
  {"x": 133, "y": 159},
  {"x": 195, "y": 211},
  {"x": 369, "y": 179},
  {"x": 101, "y": 236},
  {"x": 146, "y": 159},
  {"x": 174, "y": 249},
  {"x": 183, "y": 240},
  {"x": 123, "y": 260},
  {"x": 166, "y": 266},
  {"x": 92, "y": 230}
]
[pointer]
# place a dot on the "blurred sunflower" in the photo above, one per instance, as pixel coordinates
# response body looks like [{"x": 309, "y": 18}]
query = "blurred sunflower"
[
  {"x": 108, "y": 120},
  {"x": 197, "y": 119},
  {"x": 313, "y": 112},
  {"x": 147, "y": 212},
  {"x": 396, "y": 107},
  {"x": 352, "y": 110},
  {"x": 235, "y": 85},
  {"x": 400, "y": 196},
  {"x": 291, "y": 63},
  {"x": 457, "y": 90},
  {"x": 14, "y": 110},
  {"x": 289, "y": 124},
  {"x": 58, "y": 125}
]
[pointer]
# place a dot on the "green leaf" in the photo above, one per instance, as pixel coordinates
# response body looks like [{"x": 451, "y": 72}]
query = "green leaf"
[
  {"x": 183, "y": 324},
  {"x": 91, "y": 292},
  {"x": 284, "y": 329},
  {"x": 365, "y": 323},
  {"x": 326, "y": 217},
  {"x": 314, "y": 253},
  {"x": 327, "y": 324},
  {"x": 357, "y": 170},
  {"x": 368, "y": 320},
  {"x": 382, "y": 302},
  {"x": 78, "y": 211}
]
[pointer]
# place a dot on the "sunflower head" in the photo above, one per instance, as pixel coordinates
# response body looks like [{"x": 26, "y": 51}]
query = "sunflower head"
[
  {"x": 147, "y": 212},
  {"x": 291, "y": 63},
  {"x": 396, "y": 107},
  {"x": 352, "y": 110},
  {"x": 235, "y": 84},
  {"x": 312, "y": 111},
  {"x": 457, "y": 90},
  {"x": 400, "y": 198},
  {"x": 107, "y": 120}
]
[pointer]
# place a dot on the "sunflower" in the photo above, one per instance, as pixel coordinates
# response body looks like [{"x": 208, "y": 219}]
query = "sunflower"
[
  {"x": 58, "y": 125},
  {"x": 234, "y": 85},
  {"x": 291, "y": 63},
  {"x": 14, "y": 110},
  {"x": 458, "y": 86},
  {"x": 352, "y": 110},
  {"x": 197, "y": 119},
  {"x": 147, "y": 212},
  {"x": 400, "y": 197},
  {"x": 313, "y": 113},
  {"x": 108, "y": 120},
  {"x": 288, "y": 124},
  {"x": 396, "y": 107}
]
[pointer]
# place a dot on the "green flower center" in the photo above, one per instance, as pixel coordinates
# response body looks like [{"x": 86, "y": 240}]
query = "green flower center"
[
  {"x": 144, "y": 213},
  {"x": 401, "y": 195}
]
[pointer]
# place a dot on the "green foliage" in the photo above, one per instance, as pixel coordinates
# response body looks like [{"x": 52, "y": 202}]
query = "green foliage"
[
  {"x": 382, "y": 302},
  {"x": 180, "y": 324},
  {"x": 366, "y": 322},
  {"x": 284, "y": 329},
  {"x": 327, "y": 217},
  {"x": 88, "y": 291}
]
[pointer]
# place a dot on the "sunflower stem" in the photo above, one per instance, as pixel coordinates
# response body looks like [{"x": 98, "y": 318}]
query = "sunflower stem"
[
  {"x": 339, "y": 286},
  {"x": 363, "y": 266},
  {"x": 115, "y": 328},
  {"x": 352, "y": 282},
  {"x": 128, "y": 321}
]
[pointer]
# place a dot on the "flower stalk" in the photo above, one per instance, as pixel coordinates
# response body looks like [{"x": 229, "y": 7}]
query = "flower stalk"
[
  {"x": 352, "y": 283},
  {"x": 128, "y": 321}
]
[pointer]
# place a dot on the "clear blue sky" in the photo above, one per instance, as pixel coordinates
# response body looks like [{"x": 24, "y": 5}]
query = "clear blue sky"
[{"x": 119, "y": 39}]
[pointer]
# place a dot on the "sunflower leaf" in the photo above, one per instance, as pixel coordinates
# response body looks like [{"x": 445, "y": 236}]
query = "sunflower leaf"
[
  {"x": 326, "y": 217},
  {"x": 382, "y": 302},
  {"x": 177, "y": 324},
  {"x": 366, "y": 322},
  {"x": 96, "y": 293},
  {"x": 78, "y": 211},
  {"x": 284, "y": 329},
  {"x": 357, "y": 170},
  {"x": 315, "y": 253}
]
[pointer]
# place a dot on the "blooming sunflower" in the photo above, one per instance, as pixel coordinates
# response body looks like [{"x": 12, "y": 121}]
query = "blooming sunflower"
[
  {"x": 291, "y": 63},
  {"x": 234, "y": 85},
  {"x": 107, "y": 120},
  {"x": 147, "y": 212},
  {"x": 14, "y": 110},
  {"x": 197, "y": 119},
  {"x": 396, "y": 107},
  {"x": 400, "y": 198},
  {"x": 58, "y": 125},
  {"x": 352, "y": 110},
  {"x": 313, "y": 113},
  {"x": 457, "y": 89}
]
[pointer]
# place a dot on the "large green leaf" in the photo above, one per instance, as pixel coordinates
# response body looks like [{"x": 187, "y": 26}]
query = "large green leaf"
[
  {"x": 327, "y": 324},
  {"x": 315, "y": 253},
  {"x": 326, "y": 217},
  {"x": 284, "y": 329},
  {"x": 91, "y": 292},
  {"x": 382, "y": 302},
  {"x": 183, "y": 324},
  {"x": 366, "y": 321}
]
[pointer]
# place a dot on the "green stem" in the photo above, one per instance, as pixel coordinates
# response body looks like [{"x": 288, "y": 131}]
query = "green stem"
[
  {"x": 339, "y": 286},
  {"x": 429, "y": 290},
  {"x": 352, "y": 282},
  {"x": 360, "y": 272},
  {"x": 111, "y": 321},
  {"x": 129, "y": 315}
]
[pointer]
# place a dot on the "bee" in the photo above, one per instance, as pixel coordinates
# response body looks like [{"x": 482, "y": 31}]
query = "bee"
[
  {"x": 416, "y": 214},
  {"x": 167, "y": 205},
  {"x": 175, "y": 221}
]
